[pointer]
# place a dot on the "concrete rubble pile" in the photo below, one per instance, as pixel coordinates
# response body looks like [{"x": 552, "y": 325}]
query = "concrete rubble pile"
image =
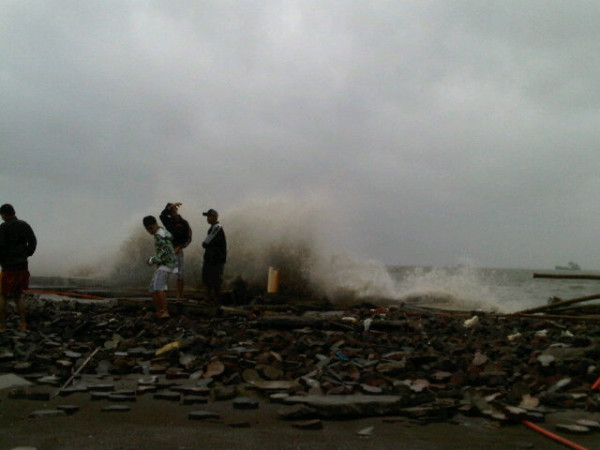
[{"x": 363, "y": 361}]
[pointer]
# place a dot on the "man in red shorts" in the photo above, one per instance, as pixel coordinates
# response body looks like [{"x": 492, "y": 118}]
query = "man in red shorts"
[{"x": 17, "y": 243}]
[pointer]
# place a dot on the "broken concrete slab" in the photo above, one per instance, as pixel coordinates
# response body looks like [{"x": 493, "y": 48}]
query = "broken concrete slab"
[{"x": 11, "y": 380}]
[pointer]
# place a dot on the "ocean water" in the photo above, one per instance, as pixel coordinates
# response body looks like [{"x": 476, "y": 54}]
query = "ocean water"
[{"x": 469, "y": 288}]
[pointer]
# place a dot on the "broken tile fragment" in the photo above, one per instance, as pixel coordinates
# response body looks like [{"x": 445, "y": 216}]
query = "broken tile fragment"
[
  {"x": 116, "y": 408},
  {"x": 102, "y": 387},
  {"x": 202, "y": 415},
  {"x": 168, "y": 395},
  {"x": 172, "y": 374},
  {"x": 72, "y": 390},
  {"x": 50, "y": 379},
  {"x": 68, "y": 409},
  {"x": 278, "y": 397},
  {"x": 295, "y": 412},
  {"x": 245, "y": 403},
  {"x": 591, "y": 424},
  {"x": 314, "y": 424},
  {"x": 224, "y": 393},
  {"x": 114, "y": 397},
  {"x": 240, "y": 424},
  {"x": 273, "y": 385},
  {"x": 140, "y": 390},
  {"x": 45, "y": 413},
  {"x": 365, "y": 432},
  {"x": 100, "y": 395},
  {"x": 194, "y": 400},
  {"x": 572, "y": 428}
]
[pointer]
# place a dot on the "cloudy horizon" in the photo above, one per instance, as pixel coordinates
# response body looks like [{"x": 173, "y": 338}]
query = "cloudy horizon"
[{"x": 432, "y": 133}]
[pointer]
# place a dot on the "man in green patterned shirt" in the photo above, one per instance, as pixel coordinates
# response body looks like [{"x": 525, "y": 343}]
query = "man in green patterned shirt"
[{"x": 165, "y": 261}]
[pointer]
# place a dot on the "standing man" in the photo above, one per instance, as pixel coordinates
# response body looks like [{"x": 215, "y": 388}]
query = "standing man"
[
  {"x": 182, "y": 236},
  {"x": 165, "y": 262},
  {"x": 17, "y": 243},
  {"x": 215, "y": 255}
]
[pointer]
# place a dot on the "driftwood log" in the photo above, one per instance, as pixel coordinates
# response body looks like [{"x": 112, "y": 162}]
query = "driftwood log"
[{"x": 559, "y": 304}]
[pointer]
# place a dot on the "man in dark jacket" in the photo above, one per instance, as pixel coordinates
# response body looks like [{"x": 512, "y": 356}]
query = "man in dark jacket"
[
  {"x": 182, "y": 236},
  {"x": 215, "y": 255},
  {"x": 17, "y": 243}
]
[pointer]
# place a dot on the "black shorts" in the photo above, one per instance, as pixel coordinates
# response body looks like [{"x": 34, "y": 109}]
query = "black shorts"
[{"x": 212, "y": 276}]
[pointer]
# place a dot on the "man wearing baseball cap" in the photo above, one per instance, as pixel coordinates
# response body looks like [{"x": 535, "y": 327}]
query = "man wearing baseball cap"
[{"x": 215, "y": 255}]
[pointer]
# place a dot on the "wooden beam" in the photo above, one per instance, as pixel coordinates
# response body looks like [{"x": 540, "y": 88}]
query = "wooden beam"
[
  {"x": 559, "y": 304},
  {"x": 565, "y": 276}
]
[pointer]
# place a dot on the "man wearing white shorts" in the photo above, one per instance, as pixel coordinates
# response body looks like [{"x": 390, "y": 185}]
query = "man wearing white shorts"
[{"x": 166, "y": 264}]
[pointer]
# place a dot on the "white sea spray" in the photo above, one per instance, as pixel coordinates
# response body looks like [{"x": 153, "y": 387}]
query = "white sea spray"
[{"x": 298, "y": 233}]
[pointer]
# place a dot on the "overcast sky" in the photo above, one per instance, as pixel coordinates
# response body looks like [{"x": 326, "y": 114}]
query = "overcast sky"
[{"x": 439, "y": 132}]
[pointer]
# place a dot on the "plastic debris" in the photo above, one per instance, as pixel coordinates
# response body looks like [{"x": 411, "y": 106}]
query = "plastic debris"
[
  {"x": 365, "y": 432},
  {"x": 168, "y": 348},
  {"x": 514, "y": 336},
  {"x": 472, "y": 322}
]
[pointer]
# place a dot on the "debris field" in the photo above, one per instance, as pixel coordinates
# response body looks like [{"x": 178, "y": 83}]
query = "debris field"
[{"x": 317, "y": 361}]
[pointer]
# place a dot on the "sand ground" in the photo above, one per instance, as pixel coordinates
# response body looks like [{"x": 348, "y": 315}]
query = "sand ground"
[{"x": 161, "y": 424}]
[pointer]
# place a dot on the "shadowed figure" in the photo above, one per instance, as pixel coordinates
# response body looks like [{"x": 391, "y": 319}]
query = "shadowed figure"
[{"x": 17, "y": 243}]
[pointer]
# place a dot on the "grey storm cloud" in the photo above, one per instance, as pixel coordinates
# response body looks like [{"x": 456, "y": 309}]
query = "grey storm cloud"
[{"x": 440, "y": 130}]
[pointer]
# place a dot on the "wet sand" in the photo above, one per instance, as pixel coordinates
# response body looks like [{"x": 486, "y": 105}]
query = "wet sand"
[{"x": 153, "y": 424}]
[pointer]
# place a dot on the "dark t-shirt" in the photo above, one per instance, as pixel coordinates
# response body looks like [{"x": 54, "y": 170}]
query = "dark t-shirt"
[
  {"x": 17, "y": 243},
  {"x": 179, "y": 228}
]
